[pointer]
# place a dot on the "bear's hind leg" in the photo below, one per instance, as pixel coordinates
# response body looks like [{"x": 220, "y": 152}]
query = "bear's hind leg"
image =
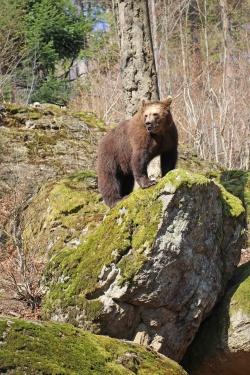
[{"x": 109, "y": 187}]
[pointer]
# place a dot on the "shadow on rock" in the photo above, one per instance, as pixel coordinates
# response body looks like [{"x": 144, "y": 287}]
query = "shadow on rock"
[{"x": 222, "y": 345}]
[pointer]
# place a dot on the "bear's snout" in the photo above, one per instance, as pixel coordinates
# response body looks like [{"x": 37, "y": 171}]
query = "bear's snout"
[{"x": 151, "y": 126}]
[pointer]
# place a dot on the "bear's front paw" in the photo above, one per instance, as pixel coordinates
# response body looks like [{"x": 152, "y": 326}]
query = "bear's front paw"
[{"x": 148, "y": 184}]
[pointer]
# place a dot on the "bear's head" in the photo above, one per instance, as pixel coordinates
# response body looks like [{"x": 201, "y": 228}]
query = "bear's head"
[{"x": 155, "y": 115}]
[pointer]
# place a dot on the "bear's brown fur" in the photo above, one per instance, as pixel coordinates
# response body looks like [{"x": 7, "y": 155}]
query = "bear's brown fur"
[{"x": 125, "y": 152}]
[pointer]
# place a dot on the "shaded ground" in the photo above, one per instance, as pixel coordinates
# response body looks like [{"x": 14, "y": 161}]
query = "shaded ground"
[{"x": 222, "y": 345}]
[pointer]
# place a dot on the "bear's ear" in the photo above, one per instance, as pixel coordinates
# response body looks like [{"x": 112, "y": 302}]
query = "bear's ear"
[
  {"x": 143, "y": 103},
  {"x": 167, "y": 102}
]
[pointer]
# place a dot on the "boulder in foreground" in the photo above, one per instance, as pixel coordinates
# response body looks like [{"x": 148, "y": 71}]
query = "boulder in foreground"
[{"x": 50, "y": 348}]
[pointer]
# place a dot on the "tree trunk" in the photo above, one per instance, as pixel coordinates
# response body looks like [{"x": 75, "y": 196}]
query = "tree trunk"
[
  {"x": 139, "y": 78},
  {"x": 154, "y": 31},
  {"x": 227, "y": 45},
  {"x": 194, "y": 19}
]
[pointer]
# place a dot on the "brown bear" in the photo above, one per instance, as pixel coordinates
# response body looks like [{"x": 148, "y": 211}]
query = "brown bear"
[{"x": 125, "y": 152}]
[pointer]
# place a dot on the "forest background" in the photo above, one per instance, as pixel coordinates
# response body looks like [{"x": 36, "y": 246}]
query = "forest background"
[{"x": 67, "y": 53}]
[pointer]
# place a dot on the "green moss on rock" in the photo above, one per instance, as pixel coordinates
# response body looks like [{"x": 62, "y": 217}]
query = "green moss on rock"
[
  {"x": 236, "y": 182},
  {"x": 90, "y": 119},
  {"x": 68, "y": 209},
  {"x": 232, "y": 205},
  {"x": 50, "y": 348},
  {"x": 129, "y": 229},
  {"x": 21, "y": 112}
]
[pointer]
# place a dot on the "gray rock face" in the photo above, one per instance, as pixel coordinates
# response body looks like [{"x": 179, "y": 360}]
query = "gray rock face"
[
  {"x": 181, "y": 282},
  {"x": 192, "y": 256}
]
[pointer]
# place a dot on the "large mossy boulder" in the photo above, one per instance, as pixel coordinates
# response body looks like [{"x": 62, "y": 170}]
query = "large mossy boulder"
[
  {"x": 222, "y": 344},
  {"x": 154, "y": 268},
  {"x": 55, "y": 349}
]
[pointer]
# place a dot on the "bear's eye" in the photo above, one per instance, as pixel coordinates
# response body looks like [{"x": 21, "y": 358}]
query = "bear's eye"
[{"x": 155, "y": 114}]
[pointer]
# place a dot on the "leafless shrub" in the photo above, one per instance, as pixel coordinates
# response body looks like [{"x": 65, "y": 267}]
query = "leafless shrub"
[
  {"x": 21, "y": 280},
  {"x": 20, "y": 271},
  {"x": 100, "y": 92}
]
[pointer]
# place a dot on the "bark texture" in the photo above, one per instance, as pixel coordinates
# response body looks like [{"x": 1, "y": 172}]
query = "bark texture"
[
  {"x": 139, "y": 78},
  {"x": 227, "y": 47},
  {"x": 194, "y": 19}
]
